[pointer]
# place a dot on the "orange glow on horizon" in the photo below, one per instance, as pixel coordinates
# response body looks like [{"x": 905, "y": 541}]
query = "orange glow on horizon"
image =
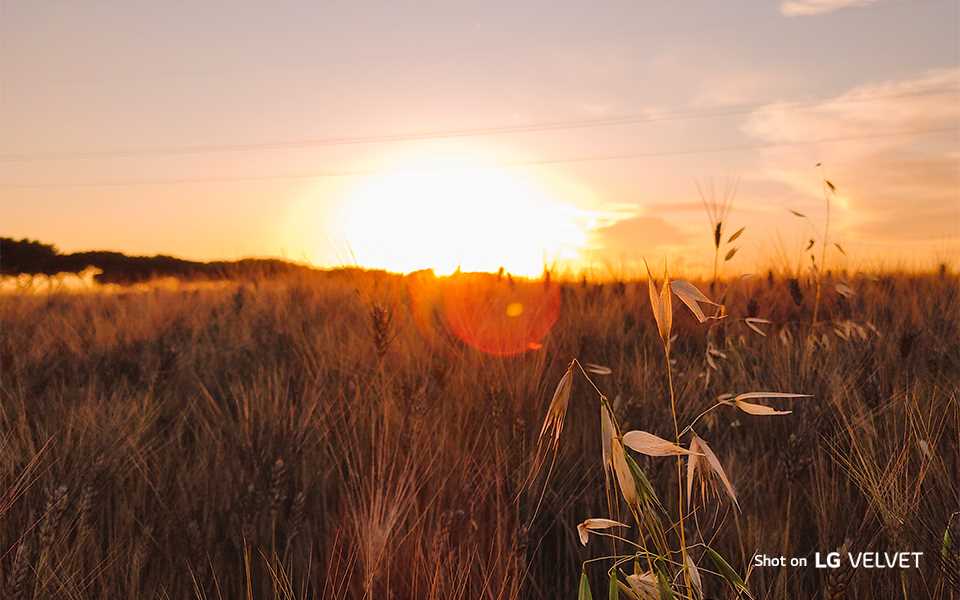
[{"x": 472, "y": 218}]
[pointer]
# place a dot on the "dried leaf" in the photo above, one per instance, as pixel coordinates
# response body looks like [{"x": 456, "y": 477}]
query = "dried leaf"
[
  {"x": 584, "y": 529},
  {"x": 759, "y": 409},
  {"x": 624, "y": 477},
  {"x": 735, "y": 235},
  {"x": 695, "y": 580},
  {"x": 752, "y": 323},
  {"x": 840, "y": 248},
  {"x": 644, "y": 586},
  {"x": 666, "y": 308},
  {"x": 651, "y": 445},
  {"x": 692, "y": 297},
  {"x": 730, "y": 254},
  {"x": 798, "y": 214},
  {"x": 810, "y": 245},
  {"x": 693, "y": 459},
  {"x": 657, "y": 305},
  {"x": 597, "y": 369},
  {"x": 830, "y": 185},
  {"x": 845, "y": 290},
  {"x": 715, "y": 352},
  {"x": 757, "y": 395},
  {"x": 607, "y": 431}
]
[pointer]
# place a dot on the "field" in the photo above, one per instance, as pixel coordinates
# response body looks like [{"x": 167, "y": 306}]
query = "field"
[{"x": 364, "y": 435}]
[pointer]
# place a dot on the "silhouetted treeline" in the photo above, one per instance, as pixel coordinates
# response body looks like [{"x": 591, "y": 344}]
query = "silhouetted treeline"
[{"x": 31, "y": 257}]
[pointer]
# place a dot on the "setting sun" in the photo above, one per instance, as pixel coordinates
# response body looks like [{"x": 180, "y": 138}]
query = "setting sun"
[{"x": 472, "y": 218}]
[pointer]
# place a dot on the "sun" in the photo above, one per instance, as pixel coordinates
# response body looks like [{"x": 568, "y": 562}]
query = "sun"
[{"x": 473, "y": 218}]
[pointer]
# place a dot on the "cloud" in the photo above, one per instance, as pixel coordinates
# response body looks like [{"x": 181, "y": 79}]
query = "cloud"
[
  {"x": 628, "y": 240},
  {"x": 926, "y": 102},
  {"x": 896, "y": 189},
  {"x": 806, "y": 8}
]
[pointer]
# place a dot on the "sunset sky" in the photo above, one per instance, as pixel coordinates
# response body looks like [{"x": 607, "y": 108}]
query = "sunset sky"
[{"x": 436, "y": 134}]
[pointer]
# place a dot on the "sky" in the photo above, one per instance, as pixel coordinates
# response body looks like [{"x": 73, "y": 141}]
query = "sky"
[{"x": 443, "y": 134}]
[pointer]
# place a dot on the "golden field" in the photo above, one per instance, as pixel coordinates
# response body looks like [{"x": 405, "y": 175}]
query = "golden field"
[{"x": 365, "y": 435}]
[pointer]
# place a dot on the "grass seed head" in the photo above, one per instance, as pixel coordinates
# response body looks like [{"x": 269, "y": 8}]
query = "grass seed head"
[
  {"x": 652, "y": 445},
  {"x": 624, "y": 477},
  {"x": 584, "y": 528}
]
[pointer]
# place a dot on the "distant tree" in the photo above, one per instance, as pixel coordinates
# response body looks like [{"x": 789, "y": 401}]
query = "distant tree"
[{"x": 29, "y": 257}]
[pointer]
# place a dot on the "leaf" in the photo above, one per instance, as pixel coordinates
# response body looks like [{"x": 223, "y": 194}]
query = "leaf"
[
  {"x": 714, "y": 463},
  {"x": 809, "y": 245},
  {"x": 624, "y": 477},
  {"x": 730, "y": 254},
  {"x": 597, "y": 369},
  {"x": 752, "y": 323},
  {"x": 692, "y": 297},
  {"x": 663, "y": 586},
  {"x": 845, "y": 290},
  {"x": 830, "y": 185},
  {"x": 757, "y": 395},
  {"x": 718, "y": 353},
  {"x": 614, "y": 592},
  {"x": 657, "y": 305},
  {"x": 695, "y": 580},
  {"x": 585, "y": 593},
  {"x": 645, "y": 491},
  {"x": 735, "y": 581},
  {"x": 840, "y": 248},
  {"x": 666, "y": 308},
  {"x": 735, "y": 235},
  {"x": 584, "y": 529},
  {"x": 947, "y": 545},
  {"x": 607, "y": 431},
  {"x": 644, "y": 586},
  {"x": 651, "y": 445},
  {"x": 693, "y": 459},
  {"x": 759, "y": 409},
  {"x": 798, "y": 214}
]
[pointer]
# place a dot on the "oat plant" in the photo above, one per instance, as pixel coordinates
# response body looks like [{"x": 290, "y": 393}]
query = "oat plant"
[
  {"x": 717, "y": 206},
  {"x": 653, "y": 556}
]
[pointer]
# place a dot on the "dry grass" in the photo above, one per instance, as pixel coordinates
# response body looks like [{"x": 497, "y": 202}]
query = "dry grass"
[{"x": 328, "y": 439}]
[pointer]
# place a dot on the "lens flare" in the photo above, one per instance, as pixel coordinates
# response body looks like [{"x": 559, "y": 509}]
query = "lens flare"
[{"x": 498, "y": 316}]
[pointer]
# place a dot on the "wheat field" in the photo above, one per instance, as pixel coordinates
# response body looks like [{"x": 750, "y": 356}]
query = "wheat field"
[{"x": 335, "y": 436}]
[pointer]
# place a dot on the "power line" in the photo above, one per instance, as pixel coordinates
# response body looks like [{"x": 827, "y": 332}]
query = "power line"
[
  {"x": 575, "y": 159},
  {"x": 454, "y": 133}
]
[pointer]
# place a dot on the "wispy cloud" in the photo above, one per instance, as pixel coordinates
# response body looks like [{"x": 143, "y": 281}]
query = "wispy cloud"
[
  {"x": 806, "y": 8},
  {"x": 925, "y": 102},
  {"x": 892, "y": 189}
]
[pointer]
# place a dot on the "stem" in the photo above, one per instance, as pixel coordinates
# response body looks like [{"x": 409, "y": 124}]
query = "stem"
[
  {"x": 676, "y": 432},
  {"x": 823, "y": 256},
  {"x": 587, "y": 377},
  {"x": 716, "y": 257},
  {"x": 694, "y": 422}
]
